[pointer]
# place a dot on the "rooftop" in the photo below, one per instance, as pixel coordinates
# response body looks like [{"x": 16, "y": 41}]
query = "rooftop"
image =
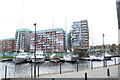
[
  {"x": 23, "y": 29},
  {"x": 9, "y": 39},
  {"x": 52, "y": 29}
]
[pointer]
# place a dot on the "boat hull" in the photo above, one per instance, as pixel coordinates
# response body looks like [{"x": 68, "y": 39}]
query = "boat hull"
[
  {"x": 70, "y": 58},
  {"x": 38, "y": 60},
  {"x": 19, "y": 60},
  {"x": 55, "y": 60}
]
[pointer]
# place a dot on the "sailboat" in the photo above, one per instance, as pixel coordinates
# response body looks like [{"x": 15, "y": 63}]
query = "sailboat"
[
  {"x": 70, "y": 57},
  {"x": 54, "y": 58},
  {"x": 22, "y": 56}
]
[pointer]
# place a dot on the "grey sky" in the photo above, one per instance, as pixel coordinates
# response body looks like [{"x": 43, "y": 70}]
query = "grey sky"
[{"x": 101, "y": 16}]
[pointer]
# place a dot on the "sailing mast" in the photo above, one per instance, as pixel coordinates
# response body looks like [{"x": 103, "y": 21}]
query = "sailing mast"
[
  {"x": 92, "y": 42},
  {"x": 18, "y": 46},
  {"x": 66, "y": 46},
  {"x": 53, "y": 36}
]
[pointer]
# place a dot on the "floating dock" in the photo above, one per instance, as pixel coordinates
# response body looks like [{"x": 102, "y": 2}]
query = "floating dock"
[{"x": 6, "y": 59}]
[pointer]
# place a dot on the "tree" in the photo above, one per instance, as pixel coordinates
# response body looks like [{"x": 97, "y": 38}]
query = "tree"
[
  {"x": 80, "y": 52},
  {"x": 113, "y": 48}
]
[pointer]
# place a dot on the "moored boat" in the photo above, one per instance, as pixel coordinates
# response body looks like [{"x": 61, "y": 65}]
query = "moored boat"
[
  {"x": 101, "y": 57},
  {"x": 54, "y": 58},
  {"x": 39, "y": 57},
  {"x": 70, "y": 58},
  {"x": 96, "y": 58},
  {"x": 21, "y": 57}
]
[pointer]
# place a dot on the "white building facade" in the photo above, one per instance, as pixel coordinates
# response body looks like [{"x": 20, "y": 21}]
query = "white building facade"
[{"x": 22, "y": 37}]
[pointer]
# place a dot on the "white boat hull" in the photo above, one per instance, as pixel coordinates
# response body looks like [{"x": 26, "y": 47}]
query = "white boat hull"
[
  {"x": 19, "y": 60},
  {"x": 22, "y": 57},
  {"x": 69, "y": 58}
]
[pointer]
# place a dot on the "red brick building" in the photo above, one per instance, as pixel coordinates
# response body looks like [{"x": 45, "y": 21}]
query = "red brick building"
[
  {"x": 51, "y": 40},
  {"x": 7, "y": 45}
]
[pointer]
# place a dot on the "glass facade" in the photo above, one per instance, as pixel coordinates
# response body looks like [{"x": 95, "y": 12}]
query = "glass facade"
[
  {"x": 118, "y": 12},
  {"x": 118, "y": 16},
  {"x": 80, "y": 34}
]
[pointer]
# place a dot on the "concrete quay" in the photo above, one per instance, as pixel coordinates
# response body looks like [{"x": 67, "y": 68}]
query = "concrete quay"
[{"x": 99, "y": 72}]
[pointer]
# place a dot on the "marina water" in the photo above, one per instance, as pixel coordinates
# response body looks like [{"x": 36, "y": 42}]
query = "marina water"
[{"x": 24, "y": 69}]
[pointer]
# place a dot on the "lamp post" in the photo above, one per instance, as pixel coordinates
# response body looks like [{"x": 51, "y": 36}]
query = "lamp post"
[
  {"x": 103, "y": 51},
  {"x": 35, "y": 52}
]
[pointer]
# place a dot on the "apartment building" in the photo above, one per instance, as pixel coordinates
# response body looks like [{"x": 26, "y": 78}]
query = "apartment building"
[
  {"x": 80, "y": 34},
  {"x": 118, "y": 16},
  {"x": 51, "y": 40},
  {"x": 7, "y": 45},
  {"x": 23, "y": 37}
]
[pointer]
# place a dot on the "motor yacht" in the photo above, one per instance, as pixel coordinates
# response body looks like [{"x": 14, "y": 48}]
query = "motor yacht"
[{"x": 39, "y": 57}]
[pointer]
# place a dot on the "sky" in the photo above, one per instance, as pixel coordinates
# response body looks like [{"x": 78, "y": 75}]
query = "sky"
[{"x": 101, "y": 16}]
